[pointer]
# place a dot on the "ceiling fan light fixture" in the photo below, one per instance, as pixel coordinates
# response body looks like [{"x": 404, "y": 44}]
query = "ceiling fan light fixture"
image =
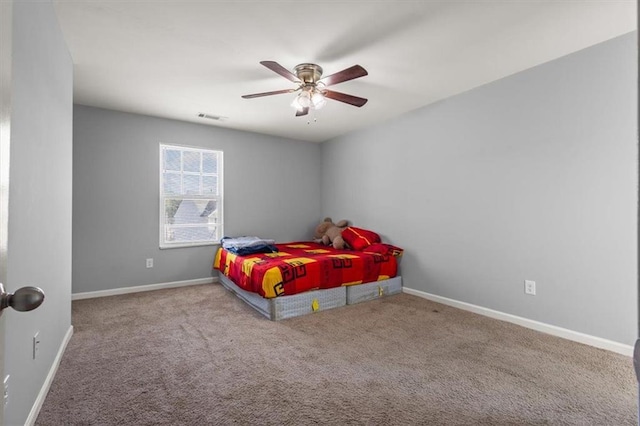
[
  {"x": 304, "y": 99},
  {"x": 318, "y": 100},
  {"x": 296, "y": 104}
]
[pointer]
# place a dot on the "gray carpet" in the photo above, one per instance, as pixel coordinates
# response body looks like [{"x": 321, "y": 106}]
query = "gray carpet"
[{"x": 198, "y": 356}]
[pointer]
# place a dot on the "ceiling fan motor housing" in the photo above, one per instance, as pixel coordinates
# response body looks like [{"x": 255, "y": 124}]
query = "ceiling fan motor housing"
[{"x": 308, "y": 73}]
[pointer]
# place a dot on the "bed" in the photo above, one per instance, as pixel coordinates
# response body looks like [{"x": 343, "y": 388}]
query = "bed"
[{"x": 304, "y": 277}]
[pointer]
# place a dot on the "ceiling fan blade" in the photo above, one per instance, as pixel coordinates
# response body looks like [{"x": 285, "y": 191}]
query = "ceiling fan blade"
[
  {"x": 343, "y": 97},
  {"x": 277, "y": 92},
  {"x": 302, "y": 112},
  {"x": 279, "y": 69},
  {"x": 350, "y": 73}
]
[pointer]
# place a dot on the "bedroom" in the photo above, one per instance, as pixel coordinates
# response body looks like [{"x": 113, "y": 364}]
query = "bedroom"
[{"x": 478, "y": 179}]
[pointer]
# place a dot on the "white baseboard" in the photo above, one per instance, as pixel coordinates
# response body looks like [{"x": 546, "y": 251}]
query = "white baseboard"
[
  {"x": 576, "y": 336},
  {"x": 37, "y": 405},
  {"x": 140, "y": 288}
]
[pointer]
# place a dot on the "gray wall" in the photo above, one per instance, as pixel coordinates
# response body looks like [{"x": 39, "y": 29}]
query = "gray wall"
[
  {"x": 271, "y": 187},
  {"x": 531, "y": 177},
  {"x": 39, "y": 199}
]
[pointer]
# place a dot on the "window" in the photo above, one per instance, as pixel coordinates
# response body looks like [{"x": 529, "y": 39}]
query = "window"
[{"x": 190, "y": 196}]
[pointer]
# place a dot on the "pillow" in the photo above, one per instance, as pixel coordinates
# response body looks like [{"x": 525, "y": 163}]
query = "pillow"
[
  {"x": 359, "y": 239},
  {"x": 386, "y": 249}
]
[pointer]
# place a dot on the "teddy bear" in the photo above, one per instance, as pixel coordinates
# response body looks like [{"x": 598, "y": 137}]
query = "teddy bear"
[{"x": 329, "y": 233}]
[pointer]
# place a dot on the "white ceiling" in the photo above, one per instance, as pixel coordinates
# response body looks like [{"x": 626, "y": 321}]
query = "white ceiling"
[{"x": 175, "y": 59}]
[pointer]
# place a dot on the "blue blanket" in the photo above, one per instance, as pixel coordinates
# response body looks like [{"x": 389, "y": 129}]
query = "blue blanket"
[{"x": 248, "y": 245}]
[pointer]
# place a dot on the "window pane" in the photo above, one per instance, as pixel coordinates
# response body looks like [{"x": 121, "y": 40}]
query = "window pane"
[
  {"x": 171, "y": 183},
  {"x": 171, "y": 159},
  {"x": 170, "y": 209},
  {"x": 210, "y": 211},
  {"x": 192, "y": 234},
  {"x": 190, "y": 211},
  {"x": 210, "y": 185},
  {"x": 209, "y": 163},
  {"x": 191, "y": 161},
  {"x": 191, "y": 184},
  {"x": 190, "y": 221}
]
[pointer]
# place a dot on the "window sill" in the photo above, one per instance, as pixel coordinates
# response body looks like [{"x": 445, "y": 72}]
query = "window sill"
[{"x": 174, "y": 246}]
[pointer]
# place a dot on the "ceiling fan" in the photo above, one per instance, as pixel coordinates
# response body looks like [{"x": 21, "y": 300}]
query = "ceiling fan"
[{"x": 312, "y": 87}]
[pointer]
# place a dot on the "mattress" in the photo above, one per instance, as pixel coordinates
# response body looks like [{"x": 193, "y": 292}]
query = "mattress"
[{"x": 299, "y": 267}]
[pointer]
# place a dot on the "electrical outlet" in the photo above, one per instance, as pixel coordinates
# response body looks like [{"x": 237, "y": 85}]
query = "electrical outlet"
[
  {"x": 6, "y": 390},
  {"x": 36, "y": 344},
  {"x": 150, "y": 263},
  {"x": 530, "y": 287}
]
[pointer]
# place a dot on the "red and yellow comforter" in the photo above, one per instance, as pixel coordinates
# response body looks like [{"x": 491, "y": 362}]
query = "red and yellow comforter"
[{"x": 303, "y": 266}]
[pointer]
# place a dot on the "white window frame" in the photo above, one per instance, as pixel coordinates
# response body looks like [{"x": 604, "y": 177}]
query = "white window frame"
[{"x": 218, "y": 198}]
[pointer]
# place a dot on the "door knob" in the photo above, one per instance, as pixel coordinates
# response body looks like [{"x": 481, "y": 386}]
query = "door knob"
[{"x": 24, "y": 299}]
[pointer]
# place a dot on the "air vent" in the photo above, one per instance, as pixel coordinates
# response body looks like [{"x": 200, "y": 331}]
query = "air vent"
[{"x": 211, "y": 116}]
